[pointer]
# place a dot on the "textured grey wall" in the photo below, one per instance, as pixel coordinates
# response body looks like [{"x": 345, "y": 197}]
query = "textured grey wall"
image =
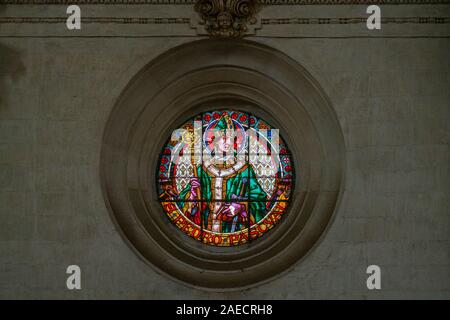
[{"x": 391, "y": 95}]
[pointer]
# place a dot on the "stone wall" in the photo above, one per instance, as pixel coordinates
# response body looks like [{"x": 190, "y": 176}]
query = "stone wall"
[{"x": 389, "y": 89}]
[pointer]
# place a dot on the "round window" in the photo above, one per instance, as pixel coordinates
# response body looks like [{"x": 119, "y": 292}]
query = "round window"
[
  {"x": 195, "y": 173},
  {"x": 225, "y": 177}
]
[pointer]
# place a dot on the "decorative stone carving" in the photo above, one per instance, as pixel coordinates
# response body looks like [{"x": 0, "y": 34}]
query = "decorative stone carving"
[{"x": 228, "y": 18}]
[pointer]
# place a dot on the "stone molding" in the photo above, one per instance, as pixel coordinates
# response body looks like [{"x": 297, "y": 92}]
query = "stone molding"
[
  {"x": 189, "y": 21},
  {"x": 183, "y": 82}
]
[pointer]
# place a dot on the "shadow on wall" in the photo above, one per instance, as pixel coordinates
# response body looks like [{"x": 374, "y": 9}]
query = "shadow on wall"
[{"x": 11, "y": 69}]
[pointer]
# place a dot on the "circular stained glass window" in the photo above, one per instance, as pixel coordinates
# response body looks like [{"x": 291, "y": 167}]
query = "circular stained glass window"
[{"x": 225, "y": 177}]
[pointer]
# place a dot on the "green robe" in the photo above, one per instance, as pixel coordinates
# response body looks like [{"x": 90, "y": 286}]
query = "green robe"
[{"x": 250, "y": 193}]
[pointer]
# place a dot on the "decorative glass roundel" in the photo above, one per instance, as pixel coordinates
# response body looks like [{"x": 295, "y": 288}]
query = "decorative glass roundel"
[{"x": 225, "y": 177}]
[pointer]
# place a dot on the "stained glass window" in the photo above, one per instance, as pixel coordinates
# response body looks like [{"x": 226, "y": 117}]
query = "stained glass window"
[{"x": 225, "y": 177}]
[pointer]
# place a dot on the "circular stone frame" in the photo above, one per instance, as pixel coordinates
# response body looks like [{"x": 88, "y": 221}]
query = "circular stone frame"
[{"x": 193, "y": 78}]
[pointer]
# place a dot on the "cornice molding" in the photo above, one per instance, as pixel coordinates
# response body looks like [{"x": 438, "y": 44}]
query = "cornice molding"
[
  {"x": 355, "y": 20},
  {"x": 180, "y": 20},
  {"x": 100, "y": 20}
]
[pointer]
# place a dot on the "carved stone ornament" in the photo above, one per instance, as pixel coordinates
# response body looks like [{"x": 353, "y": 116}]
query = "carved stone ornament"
[{"x": 228, "y": 18}]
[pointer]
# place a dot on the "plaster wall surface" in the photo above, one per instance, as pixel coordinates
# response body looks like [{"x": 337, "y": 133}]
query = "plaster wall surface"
[{"x": 391, "y": 96}]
